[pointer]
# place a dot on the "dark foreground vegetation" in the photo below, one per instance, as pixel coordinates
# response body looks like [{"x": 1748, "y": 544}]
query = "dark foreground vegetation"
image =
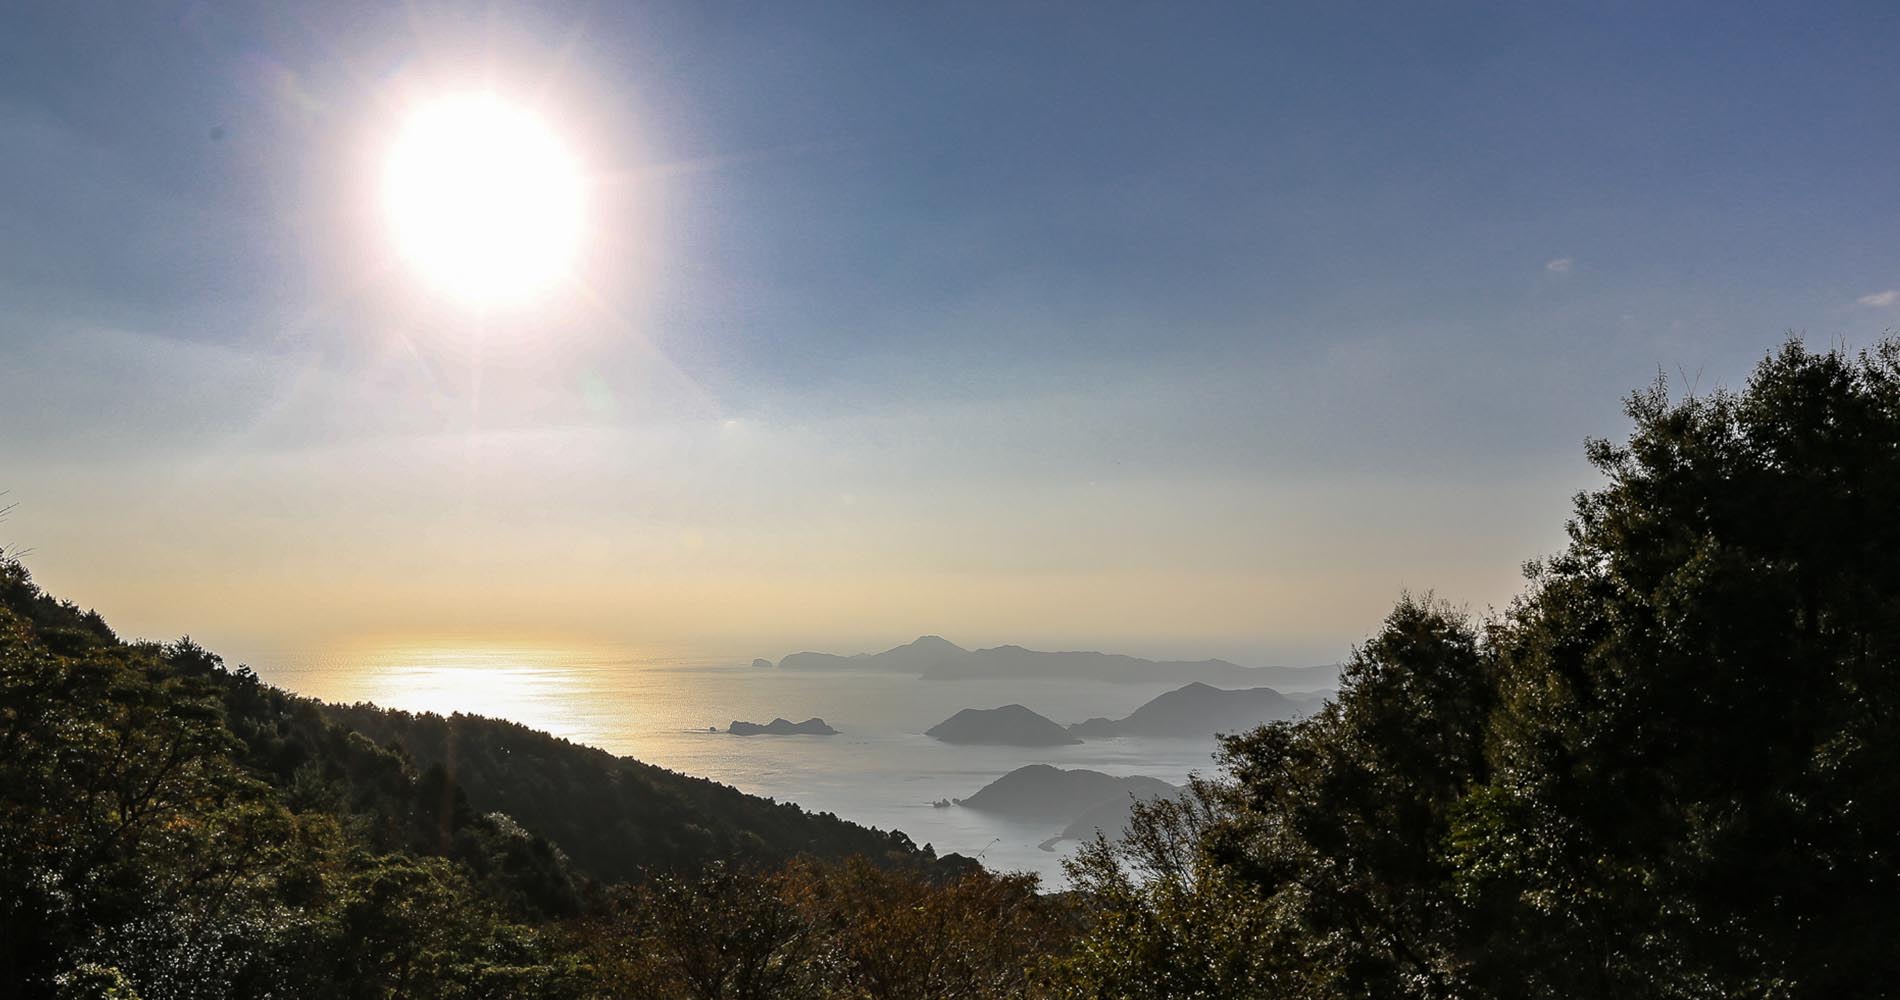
[{"x": 1670, "y": 769}]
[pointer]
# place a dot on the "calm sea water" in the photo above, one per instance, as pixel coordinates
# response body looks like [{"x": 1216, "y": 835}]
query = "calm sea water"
[{"x": 881, "y": 771}]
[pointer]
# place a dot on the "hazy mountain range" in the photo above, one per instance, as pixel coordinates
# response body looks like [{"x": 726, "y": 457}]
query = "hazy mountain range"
[{"x": 935, "y": 658}]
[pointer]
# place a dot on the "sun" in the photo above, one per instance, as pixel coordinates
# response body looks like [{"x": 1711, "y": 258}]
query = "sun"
[{"x": 484, "y": 200}]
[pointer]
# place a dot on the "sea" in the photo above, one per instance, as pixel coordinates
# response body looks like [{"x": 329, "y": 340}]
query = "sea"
[{"x": 881, "y": 770}]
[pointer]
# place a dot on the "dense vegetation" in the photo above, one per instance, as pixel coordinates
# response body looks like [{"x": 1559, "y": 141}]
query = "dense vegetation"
[
  {"x": 171, "y": 828},
  {"x": 615, "y": 817},
  {"x": 1670, "y": 769}
]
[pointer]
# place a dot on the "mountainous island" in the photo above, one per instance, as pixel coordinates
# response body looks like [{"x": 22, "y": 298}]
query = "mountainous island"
[
  {"x": 1196, "y": 710},
  {"x": 935, "y": 658},
  {"x": 1039, "y": 793},
  {"x": 913, "y": 657},
  {"x": 813, "y": 726},
  {"x": 1010, "y": 725},
  {"x": 1112, "y": 818}
]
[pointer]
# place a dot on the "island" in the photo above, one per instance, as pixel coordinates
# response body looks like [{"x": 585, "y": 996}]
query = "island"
[
  {"x": 1011, "y": 725},
  {"x": 813, "y": 726},
  {"x": 1039, "y": 793},
  {"x": 1010, "y": 662},
  {"x": 935, "y": 658},
  {"x": 1196, "y": 710},
  {"x": 914, "y": 657},
  {"x": 1109, "y": 817}
]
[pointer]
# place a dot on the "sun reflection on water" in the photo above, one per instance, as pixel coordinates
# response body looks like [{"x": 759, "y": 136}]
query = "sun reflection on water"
[{"x": 561, "y": 690}]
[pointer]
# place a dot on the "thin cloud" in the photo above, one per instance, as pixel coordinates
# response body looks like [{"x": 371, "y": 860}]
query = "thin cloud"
[
  {"x": 1881, "y": 300},
  {"x": 1559, "y": 266}
]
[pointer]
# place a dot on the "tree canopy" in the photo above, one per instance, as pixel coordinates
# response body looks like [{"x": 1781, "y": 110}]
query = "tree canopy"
[{"x": 1668, "y": 769}]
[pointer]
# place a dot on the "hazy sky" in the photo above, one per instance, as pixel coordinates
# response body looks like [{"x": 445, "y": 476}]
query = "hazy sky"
[{"x": 1186, "y": 329}]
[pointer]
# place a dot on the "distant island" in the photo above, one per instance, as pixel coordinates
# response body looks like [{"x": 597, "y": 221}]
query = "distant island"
[
  {"x": 933, "y": 657},
  {"x": 914, "y": 657},
  {"x": 813, "y": 726},
  {"x": 1110, "y": 817},
  {"x": 1039, "y": 793},
  {"x": 1197, "y": 710},
  {"x": 1011, "y": 725}
]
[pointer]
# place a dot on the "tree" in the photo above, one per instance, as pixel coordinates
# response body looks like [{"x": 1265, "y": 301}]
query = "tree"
[
  {"x": 895, "y": 935},
  {"x": 1696, "y": 765},
  {"x": 728, "y": 934},
  {"x": 1325, "y": 842},
  {"x": 144, "y": 852},
  {"x": 1161, "y": 918},
  {"x": 1670, "y": 769},
  {"x": 118, "y": 797}
]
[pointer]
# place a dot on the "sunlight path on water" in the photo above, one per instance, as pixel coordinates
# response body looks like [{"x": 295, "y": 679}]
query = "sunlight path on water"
[{"x": 563, "y": 690}]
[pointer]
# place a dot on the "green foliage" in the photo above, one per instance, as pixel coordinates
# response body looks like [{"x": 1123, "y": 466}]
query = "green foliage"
[
  {"x": 94, "y": 982},
  {"x": 148, "y": 847},
  {"x": 407, "y": 926},
  {"x": 817, "y": 929},
  {"x": 723, "y": 934},
  {"x": 893, "y": 934},
  {"x": 118, "y": 793},
  {"x": 1163, "y": 920},
  {"x": 617, "y": 818},
  {"x": 1697, "y": 756},
  {"x": 1671, "y": 769}
]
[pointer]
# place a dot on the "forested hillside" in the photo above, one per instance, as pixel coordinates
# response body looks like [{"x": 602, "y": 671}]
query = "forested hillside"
[
  {"x": 192, "y": 831},
  {"x": 616, "y": 817}
]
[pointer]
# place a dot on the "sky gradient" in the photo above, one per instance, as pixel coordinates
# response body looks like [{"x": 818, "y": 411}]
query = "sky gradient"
[{"x": 1171, "y": 329}]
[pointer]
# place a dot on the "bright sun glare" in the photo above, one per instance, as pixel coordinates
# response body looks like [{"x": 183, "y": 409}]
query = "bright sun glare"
[{"x": 484, "y": 200}]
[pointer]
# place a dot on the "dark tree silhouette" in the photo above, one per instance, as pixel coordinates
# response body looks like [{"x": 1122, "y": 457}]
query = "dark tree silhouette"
[{"x": 1671, "y": 769}]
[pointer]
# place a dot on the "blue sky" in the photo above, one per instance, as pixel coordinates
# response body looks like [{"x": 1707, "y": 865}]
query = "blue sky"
[{"x": 1173, "y": 328}]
